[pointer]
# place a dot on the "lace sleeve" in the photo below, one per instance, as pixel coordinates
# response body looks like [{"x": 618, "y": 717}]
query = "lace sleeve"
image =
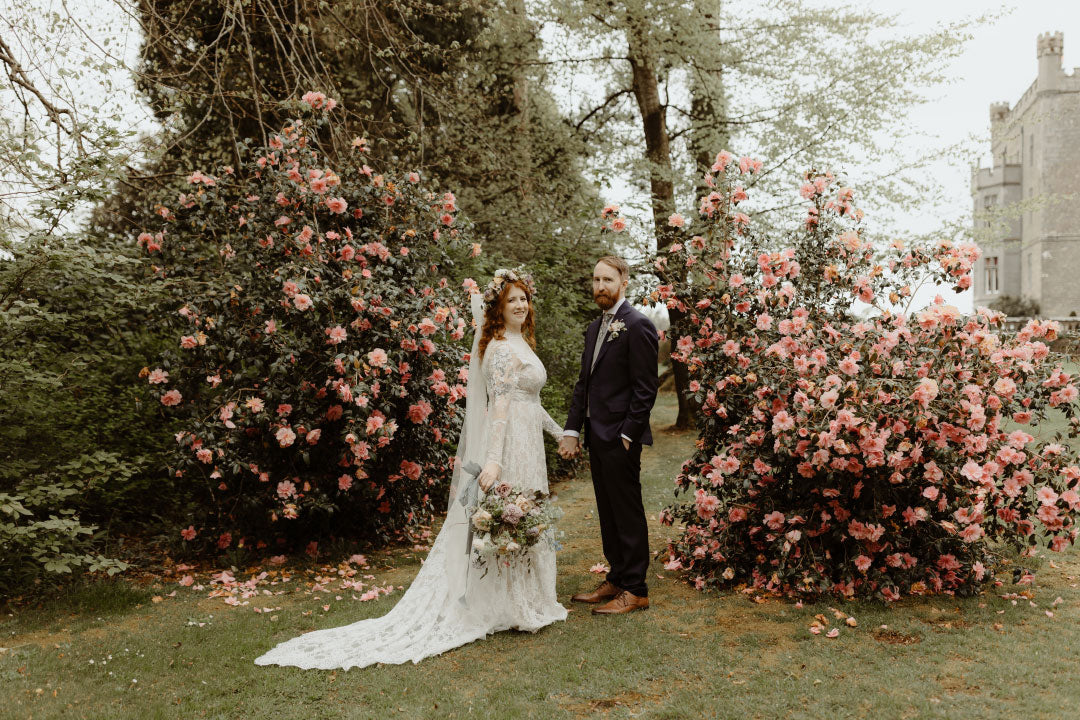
[
  {"x": 551, "y": 427},
  {"x": 499, "y": 371}
]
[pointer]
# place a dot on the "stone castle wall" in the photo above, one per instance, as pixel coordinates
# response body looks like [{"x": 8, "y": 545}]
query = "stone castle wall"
[{"x": 1036, "y": 149}]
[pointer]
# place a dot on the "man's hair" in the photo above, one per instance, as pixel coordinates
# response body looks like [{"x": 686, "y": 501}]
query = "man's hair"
[{"x": 618, "y": 263}]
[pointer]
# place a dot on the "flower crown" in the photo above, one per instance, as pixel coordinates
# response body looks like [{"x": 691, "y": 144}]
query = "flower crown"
[{"x": 504, "y": 276}]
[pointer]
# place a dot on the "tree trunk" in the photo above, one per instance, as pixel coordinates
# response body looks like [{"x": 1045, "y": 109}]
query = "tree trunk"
[{"x": 662, "y": 190}]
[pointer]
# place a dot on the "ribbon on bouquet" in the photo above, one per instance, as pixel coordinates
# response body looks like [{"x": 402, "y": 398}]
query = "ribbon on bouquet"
[{"x": 469, "y": 499}]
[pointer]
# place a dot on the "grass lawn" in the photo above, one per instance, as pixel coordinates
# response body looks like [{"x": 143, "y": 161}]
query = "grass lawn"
[{"x": 108, "y": 651}]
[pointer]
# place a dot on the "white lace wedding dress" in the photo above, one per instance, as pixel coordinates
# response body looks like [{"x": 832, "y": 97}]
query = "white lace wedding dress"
[{"x": 451, "y": 603}]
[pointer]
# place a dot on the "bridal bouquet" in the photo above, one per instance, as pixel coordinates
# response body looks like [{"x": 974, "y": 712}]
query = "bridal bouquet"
[{"x": 508, "y": 523}]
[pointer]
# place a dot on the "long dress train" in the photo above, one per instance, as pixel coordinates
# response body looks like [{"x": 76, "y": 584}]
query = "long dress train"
[{"x": 451, "y": 603}]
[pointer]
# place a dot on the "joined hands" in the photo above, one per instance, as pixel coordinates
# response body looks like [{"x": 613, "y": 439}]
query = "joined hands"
[{"x": 568, "y": 447}]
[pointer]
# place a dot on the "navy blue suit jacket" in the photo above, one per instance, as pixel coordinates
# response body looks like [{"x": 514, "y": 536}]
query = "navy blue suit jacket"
[{"x": 621, "y": 389}]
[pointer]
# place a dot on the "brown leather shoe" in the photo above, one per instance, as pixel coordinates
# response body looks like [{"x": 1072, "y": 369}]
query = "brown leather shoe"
[
  {"x": 604, "y": 591},
  {"x": 624, "y": 602}
]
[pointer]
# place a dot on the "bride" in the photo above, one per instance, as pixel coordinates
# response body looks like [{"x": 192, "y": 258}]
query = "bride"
[{"x": 451, "y": 602}]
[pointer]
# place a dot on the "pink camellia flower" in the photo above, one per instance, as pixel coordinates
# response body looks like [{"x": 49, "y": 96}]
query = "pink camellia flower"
[
  {"x": 344, "y": 482},
  {"x": 427, "y": 327},
  {"x": 302, "y": 301},
  {"x": 377, "y": 357},
  {"x": 1005, "y": 387},
  {"x": 348, "y": 253},
  {"x": 336, "y": 335},
  {"x": 173, "y": 397},
  {"x": 1046, "y": 495},
  {"x": 225, "y": 540},
  {"x": 285, "y": 437},
  {"x": 930, "y": 493},
  {"x": 925, "y": 393},
  {"x": 848, "y": 366},
  {"x": 672, "y": 563},
  {"x": 676, "y": 220},
  {"x": 375, "y": 422},
  {"x": 254, "y": 404},
  {"x": 204, "y": 455},
  {"x": 286, "y": 489},
  {"x": 420, "y": 411},
  {"x": 971, "y": 533},
  {"x": 188, "y": 533},
  {"x": 411, "y": 470},
  {"x": 618, "y": 224},
  {"x": 187, "y": 580},
  {"x": 413, "y": 177},
  {"x": 188, "y": 342},
  {"x": 775, "y": 520},
  {"x": 863, "y": 563},
  {"x": 782, "y": 421},
  {"x": 158, "y": 376},
  {"x": 336, "y": 205},
  {"x": 270, "y": 327},
  {"x": 736, "y": 514},
  {"x": 313, "y": 436},
  {"x": 707, "y": 504}
]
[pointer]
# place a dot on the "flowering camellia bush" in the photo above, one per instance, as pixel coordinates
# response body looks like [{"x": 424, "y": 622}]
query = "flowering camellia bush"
[
  {"x": 857, "y": 457},
  {"x": 316, "y": 371}
]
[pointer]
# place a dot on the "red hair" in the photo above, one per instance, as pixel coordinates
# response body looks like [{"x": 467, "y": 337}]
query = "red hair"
[{"x": 494, "y": 324}]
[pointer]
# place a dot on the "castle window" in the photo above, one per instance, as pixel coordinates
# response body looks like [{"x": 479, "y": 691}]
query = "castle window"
[
  {"x": 989, "y": 201},
  {"x": 1031, "y": 150},
  {"x": 991, "y": 272}
]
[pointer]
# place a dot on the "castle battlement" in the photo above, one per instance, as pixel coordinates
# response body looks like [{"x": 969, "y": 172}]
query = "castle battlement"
[{"x": 1050, "y": 44}]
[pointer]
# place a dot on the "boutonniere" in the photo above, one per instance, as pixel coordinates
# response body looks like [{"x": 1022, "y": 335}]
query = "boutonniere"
[{"x": 616, "y": 327}]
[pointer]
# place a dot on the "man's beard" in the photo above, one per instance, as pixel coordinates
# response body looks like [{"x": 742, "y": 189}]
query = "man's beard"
[{"x": 605, "y": 301}]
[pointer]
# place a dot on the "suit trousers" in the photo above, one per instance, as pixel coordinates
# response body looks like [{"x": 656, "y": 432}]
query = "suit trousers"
[{"x": 616, "y": 475}]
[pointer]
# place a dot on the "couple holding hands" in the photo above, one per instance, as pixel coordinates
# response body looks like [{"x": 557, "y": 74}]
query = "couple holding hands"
[{"x": 452, "y": 602}]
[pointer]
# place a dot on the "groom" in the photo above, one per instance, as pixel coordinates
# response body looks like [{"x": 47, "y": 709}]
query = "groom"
[{"x": 611, "y": 404}]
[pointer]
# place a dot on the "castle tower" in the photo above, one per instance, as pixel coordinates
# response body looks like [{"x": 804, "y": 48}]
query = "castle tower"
[
  {"x": 999, "y": 114},
  {"x": 1050, "y": 49}
]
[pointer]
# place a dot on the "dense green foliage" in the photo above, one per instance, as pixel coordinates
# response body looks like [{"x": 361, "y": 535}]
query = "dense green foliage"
[{"x": 75, "y": 440}]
